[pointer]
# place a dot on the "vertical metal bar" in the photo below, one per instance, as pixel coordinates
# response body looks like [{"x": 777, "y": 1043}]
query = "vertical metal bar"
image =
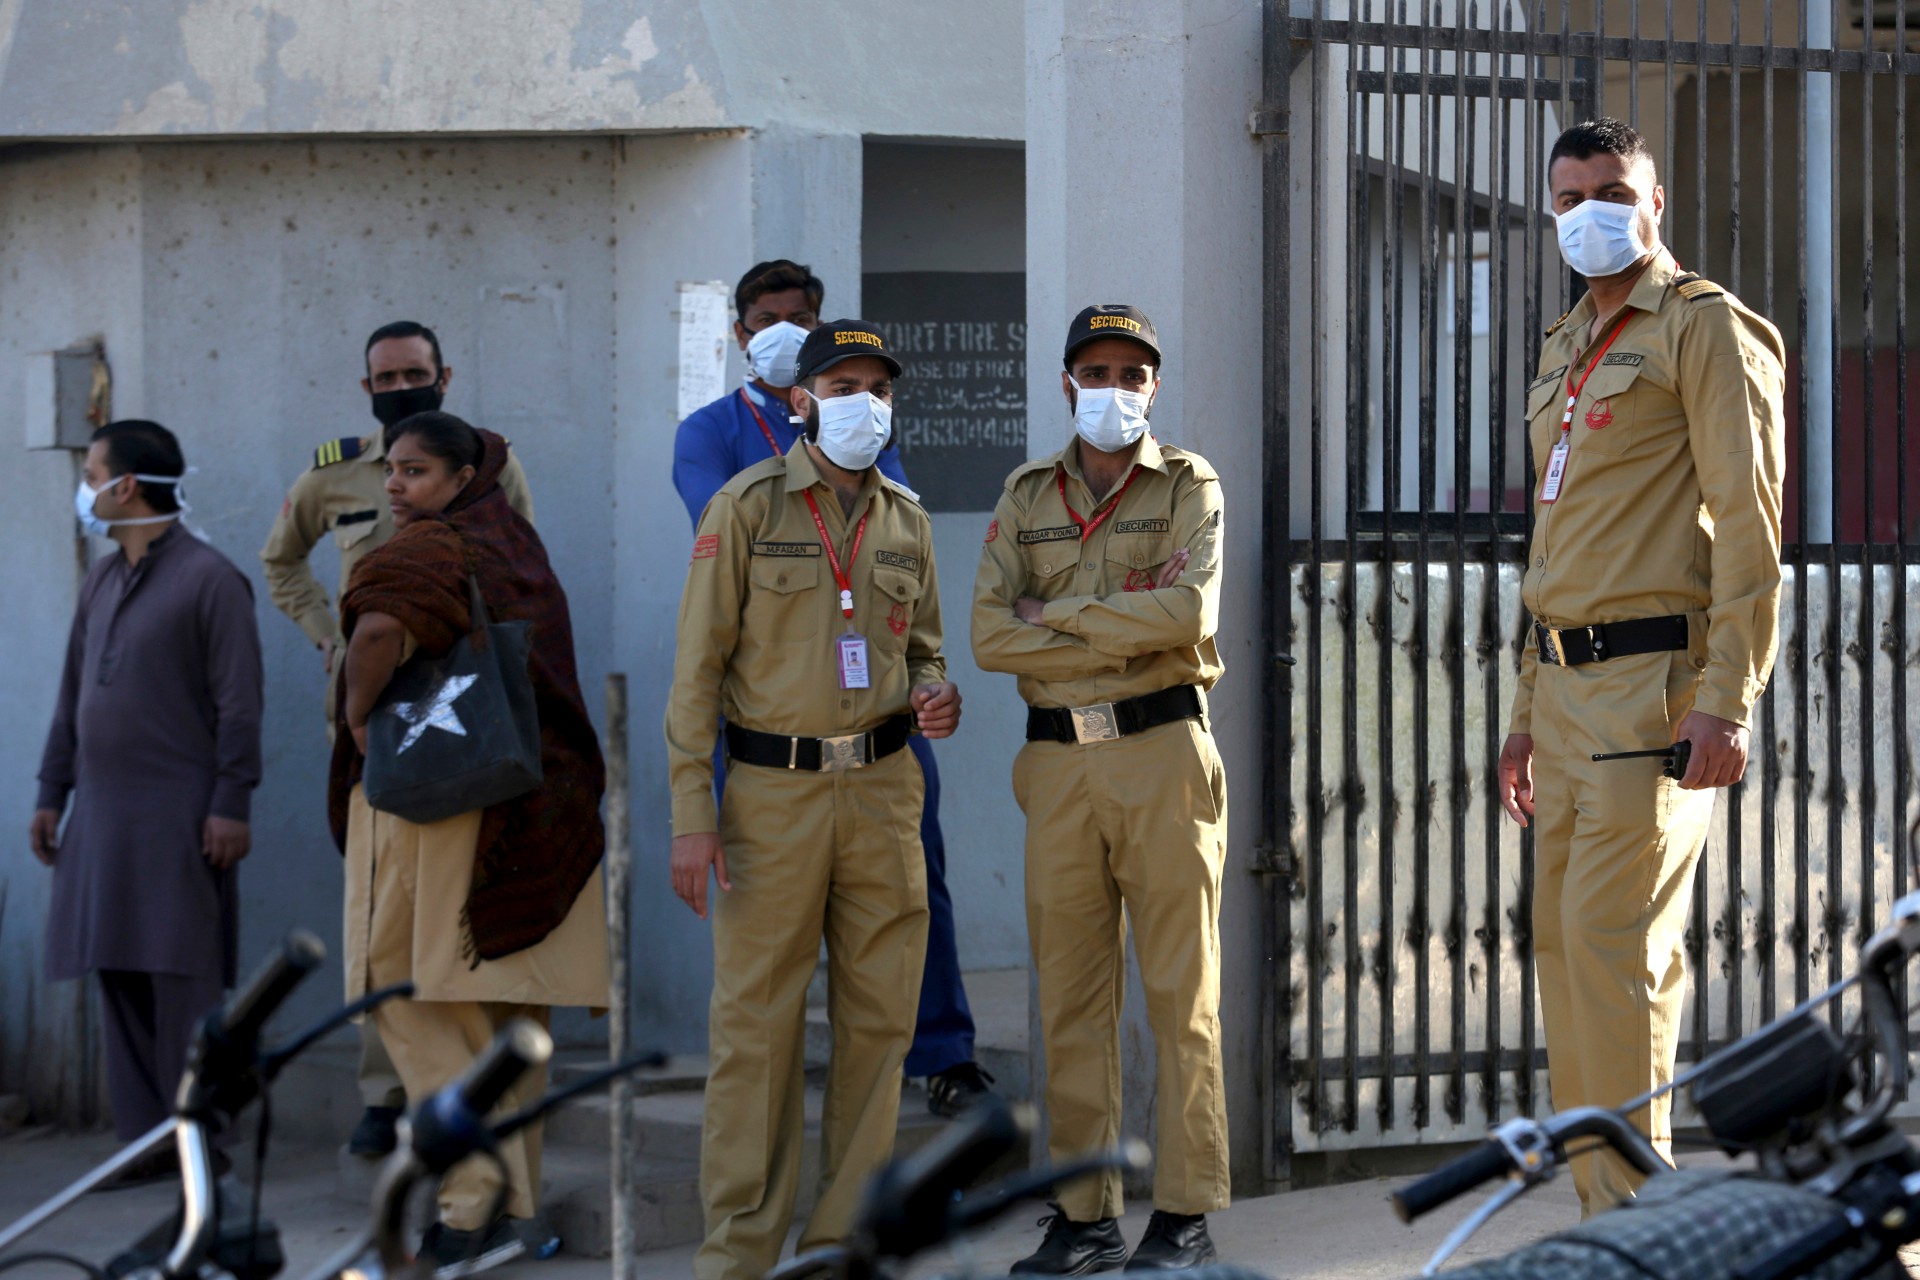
[
  {"x": 1393, "y": 391},
  {"x": 1868, "y": 647},
  {"x": 1633, "y": 64},
  {"x": 1837, "y": 947},
  {"x": 1419, "y": 649},
  {"x": 1317, "y": 454},
  {"x": 1668, "y": 127},
  {"x": 1277, "y": 578},
  {"x": 1486, "y": 649},
  {"x": 1383, "y": 864},
  {"x": 1803, "y": 643},
  {"x": 1700, "y": 135},
  {"x": 1903, "y": 531},
  {"x": 1453, "y": 628},
  {"x": 1532, "y": 274},
  {"x": 1733, "y": 915},
  {"x": 1770, "y": 774},
  {"x": 619, "y": 867}
]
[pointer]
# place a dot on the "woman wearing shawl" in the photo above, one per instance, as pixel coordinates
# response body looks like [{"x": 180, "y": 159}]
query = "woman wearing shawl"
[{"x": 492, "y": 914}]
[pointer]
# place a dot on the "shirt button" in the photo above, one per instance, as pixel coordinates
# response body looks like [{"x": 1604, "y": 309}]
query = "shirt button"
[
  {"x": 780, "y": 581},
  {"x": 1138, "y": 561},
  {"x": 1539, "y": 562},
  {"x": 1046, "y": 568},
  {"x": 1089, "y": 564}
]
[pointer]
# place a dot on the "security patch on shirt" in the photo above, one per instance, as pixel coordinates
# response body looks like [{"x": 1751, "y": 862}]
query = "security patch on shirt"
[
  {"x": 786, "y": 548},
  {"x": 1144, "y": 526},
  {"x": 1630, "y": 358},
  {"x": 910, "y": 563},
  {"x": 1063, "y": 533}
]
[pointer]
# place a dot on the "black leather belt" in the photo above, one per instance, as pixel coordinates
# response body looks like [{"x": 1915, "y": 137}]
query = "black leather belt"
[
  {"x": 1577, "y": 646},
  {"x": 818, "y": 755},
  {"x": 1105, "y": 721}
]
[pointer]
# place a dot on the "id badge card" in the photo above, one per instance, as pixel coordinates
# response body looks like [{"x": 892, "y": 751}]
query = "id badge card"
[
  {"x": 854, "y": 673},
  {"x": 1556, "y": 469}
]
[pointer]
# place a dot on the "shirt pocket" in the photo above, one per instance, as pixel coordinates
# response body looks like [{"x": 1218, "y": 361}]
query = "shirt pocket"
[
  {"x": 1545, "y": 402},
  {"x": 1046, "y": 561},
  {"x": 352, "y": 529},
  {"x": 1604, "y": 420},
  {"x": 783, "y": 599},
  {"x": 1133, "y": 560},
  {"x": 896, "y": 598}
]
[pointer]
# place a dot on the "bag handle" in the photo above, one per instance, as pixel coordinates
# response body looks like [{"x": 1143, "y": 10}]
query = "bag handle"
[{"x": 479, "y": 617}]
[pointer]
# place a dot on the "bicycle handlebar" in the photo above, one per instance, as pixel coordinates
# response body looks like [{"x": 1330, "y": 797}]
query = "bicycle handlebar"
[{"x": 1520, "y": 1148}]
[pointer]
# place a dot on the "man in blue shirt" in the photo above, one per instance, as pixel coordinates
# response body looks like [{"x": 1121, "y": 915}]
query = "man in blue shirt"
[{"x": 778, "y": 304}]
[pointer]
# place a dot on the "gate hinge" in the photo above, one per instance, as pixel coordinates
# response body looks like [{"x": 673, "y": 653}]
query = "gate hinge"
[
  {"x": 1268, "y": 122},
  {"x": 1271, "y": 861}
]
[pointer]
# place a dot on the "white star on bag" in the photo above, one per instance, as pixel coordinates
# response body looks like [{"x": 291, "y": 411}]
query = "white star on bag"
[{"x": 434, "y": 712}]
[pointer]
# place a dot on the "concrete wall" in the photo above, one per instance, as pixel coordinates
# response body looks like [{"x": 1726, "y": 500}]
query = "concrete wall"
[
  {"x": 95, "y": 68},
  {"x": 1143, "y": 186}
]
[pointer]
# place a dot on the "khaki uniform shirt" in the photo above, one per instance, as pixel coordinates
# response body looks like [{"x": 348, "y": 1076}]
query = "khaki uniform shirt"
[
  {"x": 1107, "y": 633},
  {"x": 760, "y": 618},
  {"x": 1671, "y": 499},
  {"x": 347, "y": 495}
]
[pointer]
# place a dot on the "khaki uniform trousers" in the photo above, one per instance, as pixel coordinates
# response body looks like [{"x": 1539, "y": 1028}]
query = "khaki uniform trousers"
[
  {"x": 432, "y": 1042},
  {"x": 810, "y": 855},
  {"x": 379, "y": 1079},
  {"x": 1139, "y": 823},
  {"x": 1615, "y": 846}
]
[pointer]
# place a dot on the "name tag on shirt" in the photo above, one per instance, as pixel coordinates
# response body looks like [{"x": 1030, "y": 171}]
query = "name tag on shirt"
[
  {"x": 854, "y": 673},
  {"x": 1556, "y": 470}
]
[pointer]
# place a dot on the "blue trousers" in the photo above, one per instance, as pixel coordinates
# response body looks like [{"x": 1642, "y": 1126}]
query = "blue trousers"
[{"x": 943, "y": 1037}]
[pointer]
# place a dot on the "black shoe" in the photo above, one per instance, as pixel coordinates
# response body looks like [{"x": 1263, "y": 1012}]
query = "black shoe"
[
  {"x": 453, "y": 1253},
  {"x": 1174, "y": 1242},
  {"x": 377, "y": 1133},
  {"x": 1074, "y": 1248},
  {"x": 957, "y": 1088}
]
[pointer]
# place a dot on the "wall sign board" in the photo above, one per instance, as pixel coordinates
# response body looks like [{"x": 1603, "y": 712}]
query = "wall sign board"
[{"x": 960, "y": 403}]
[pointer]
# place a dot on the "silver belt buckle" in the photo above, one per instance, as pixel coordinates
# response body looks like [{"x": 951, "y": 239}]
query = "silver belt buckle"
[
  {"x": 1551, "y": 647},
  {"x": 849, "y": 751},
  {"x": 1096, "y": 723}
]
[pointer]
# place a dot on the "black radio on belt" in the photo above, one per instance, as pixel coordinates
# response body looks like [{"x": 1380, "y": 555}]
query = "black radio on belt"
[{"x": 1676, "y": 757}]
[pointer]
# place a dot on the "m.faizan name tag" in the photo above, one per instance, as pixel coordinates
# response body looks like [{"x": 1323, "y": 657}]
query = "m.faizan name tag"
[{"x": 1556, "y": 470}]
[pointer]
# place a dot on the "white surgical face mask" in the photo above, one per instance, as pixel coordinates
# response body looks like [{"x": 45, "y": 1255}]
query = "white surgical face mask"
[
  {"x": 854, "y": 429},
  {"x": 1109, "y": 418},
  {"x": 773, "y": 354},
  {"x": 1601, "y": 238},
  {"x": 86, "y": 496}
]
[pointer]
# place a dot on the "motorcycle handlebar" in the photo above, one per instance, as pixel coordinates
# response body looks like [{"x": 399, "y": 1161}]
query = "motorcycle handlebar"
[
  {"x": 240, "y": 1022},
  {"x": 1520, "y": 1147}
]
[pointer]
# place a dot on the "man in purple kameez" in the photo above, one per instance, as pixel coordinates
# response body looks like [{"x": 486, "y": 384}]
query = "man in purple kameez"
[{"x": 156, "y": 739}]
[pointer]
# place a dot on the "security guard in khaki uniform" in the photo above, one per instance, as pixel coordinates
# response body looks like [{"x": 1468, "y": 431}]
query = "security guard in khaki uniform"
[
  {"x": 1654, "y": 585},
  {"x": 811, "y": 621},
  {"x": 345, "y": 492},
  {"x": 1099, "y": 588}
]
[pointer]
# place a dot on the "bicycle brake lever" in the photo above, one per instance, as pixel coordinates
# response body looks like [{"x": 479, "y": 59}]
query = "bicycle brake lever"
[
  {"x": 1531, "y": 1158},
  {"x": 1499, "y": 1200}
]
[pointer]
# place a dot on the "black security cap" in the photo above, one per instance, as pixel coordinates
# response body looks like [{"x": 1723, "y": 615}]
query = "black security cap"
[
  {"x": 1111, "y": 320},
  {"x": 839, "y": 340}
]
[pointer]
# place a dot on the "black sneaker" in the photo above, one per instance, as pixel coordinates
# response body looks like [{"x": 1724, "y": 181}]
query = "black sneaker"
[
  {"x": 453, "y": 1253},
  {"x": 377, "y": 1134},
  {"x": 957, "y": 1088},
  {"x": 1074, "y": 1248},
  {"x": 1174, "y": 1242}
]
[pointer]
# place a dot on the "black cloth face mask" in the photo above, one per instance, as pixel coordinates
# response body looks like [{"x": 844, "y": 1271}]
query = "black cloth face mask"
[{"x": 392, "y": 407}]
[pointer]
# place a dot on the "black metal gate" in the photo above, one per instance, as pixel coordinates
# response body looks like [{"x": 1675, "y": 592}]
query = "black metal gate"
[{"x": 1412, "y": 267}]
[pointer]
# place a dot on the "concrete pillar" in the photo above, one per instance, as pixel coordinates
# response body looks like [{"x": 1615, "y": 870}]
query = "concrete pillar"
[
  {"x": 692, "y": 207},
  {"x": 1143, "y": 186}
]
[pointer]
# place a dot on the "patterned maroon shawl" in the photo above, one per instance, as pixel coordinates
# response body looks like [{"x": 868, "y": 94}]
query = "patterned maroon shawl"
[{"x": 538, "y": 851}]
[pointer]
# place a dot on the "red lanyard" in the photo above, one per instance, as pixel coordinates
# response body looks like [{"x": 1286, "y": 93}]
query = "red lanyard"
[
  {"x": 1102, "y": 512},
  {"x": 840, "y": 575},
  {"x": 1574, "y": 388},
  {"x": 765, "y": 430}
]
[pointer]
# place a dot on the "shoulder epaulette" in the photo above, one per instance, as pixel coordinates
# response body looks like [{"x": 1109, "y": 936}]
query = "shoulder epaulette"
[
  {"x": 1199, "y": 466},
  {"x": 345, "y": 449},
  {"x": 1693, "y": 286},
  {"x": 1556, "y": 324},
  {"x": 1029, "y": 468},
  {"x": 901, "y": 489},
  {"x": 761, "y": 470}
]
